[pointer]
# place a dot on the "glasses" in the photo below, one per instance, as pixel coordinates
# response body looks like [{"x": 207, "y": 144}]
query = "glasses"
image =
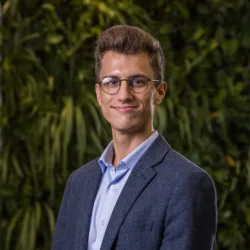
[{"x": 137, "y": 84}]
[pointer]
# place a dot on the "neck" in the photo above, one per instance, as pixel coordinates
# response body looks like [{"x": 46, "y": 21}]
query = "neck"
[{"x": 125, "y": 143}]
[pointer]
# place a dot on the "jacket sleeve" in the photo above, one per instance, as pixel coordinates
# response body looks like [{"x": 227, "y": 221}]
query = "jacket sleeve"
[
  {"x": 191, "y": 218},
  {"x": 60, "y": 230}
]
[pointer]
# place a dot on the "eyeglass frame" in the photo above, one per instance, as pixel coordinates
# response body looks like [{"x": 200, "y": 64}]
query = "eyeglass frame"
[{"x": 129, "y": 85}]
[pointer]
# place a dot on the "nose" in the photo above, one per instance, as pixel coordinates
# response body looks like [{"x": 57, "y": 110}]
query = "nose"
[{"x": 124, "y": 91}]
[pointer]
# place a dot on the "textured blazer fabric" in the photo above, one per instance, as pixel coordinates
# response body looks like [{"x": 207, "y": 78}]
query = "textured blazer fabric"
[{"x": 168, "y": 203}]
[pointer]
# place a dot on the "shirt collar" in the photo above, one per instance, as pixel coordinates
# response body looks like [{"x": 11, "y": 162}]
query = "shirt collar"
[
  {"x": 131, "y": 159},
  {"x": 106, "y": 158}
]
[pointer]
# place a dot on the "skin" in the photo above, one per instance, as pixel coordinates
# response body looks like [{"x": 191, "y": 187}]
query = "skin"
[{"x": 129, "y": 114}]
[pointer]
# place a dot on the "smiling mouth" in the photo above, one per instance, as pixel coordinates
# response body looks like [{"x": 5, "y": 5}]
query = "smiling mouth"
[{"x": 125, "y": 108}]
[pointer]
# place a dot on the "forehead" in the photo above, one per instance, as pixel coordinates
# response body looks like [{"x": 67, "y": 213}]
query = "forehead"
[{"x": 123, "y": 65}]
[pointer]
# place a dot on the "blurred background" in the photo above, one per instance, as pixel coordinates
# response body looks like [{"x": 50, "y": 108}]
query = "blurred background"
[{"x": 51, "y": 124}]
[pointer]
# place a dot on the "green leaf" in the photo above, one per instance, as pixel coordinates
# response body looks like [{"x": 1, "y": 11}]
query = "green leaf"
[
  {"x": 50, "y": 218},
  {"x": 81, "y": 133},
  {"x": 12, "y": 226},
  {"x": 54, "y": 39}
]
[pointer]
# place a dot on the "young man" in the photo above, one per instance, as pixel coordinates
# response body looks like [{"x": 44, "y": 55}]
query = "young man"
[{"x": 140, "y": 194}]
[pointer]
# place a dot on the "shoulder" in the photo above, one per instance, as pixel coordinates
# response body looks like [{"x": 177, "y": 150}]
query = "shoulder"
[
  {"x": 181, "y": 182},
  {"x": 88, "y": 170},
  {"x": 176, "y": 168},
  {"x": 180, "y": 164},
  {"x": 87, "y": 167}
]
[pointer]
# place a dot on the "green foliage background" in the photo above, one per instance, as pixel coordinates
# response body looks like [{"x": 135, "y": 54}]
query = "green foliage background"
[{"x": 50, "y": 121}]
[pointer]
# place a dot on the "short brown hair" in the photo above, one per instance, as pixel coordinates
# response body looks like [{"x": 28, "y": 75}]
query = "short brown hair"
[{"x": 130, "y": 40}]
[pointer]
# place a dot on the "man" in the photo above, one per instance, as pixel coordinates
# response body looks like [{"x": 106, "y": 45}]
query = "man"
[{"x": 140, "y": 194}]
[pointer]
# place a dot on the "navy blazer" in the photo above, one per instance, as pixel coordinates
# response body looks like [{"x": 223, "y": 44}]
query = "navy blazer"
[{"x": 167, "y": 203}]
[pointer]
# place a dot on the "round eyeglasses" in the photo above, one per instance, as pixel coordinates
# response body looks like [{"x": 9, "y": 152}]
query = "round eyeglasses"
[{"x": 137, "y": 84}]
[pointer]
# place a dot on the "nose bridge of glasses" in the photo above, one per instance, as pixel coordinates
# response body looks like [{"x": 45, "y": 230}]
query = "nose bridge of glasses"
[
  {"x": 127, "y": 84},
  {"x": 126, "y": 87},
  {"x": 124, "y": 80}
]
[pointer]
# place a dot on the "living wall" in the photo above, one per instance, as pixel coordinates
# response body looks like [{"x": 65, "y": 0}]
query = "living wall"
[{"x": 50, "y": 121}]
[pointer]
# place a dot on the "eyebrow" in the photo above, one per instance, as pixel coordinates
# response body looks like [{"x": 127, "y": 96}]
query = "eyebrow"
[{"x": 136, "y": 75}]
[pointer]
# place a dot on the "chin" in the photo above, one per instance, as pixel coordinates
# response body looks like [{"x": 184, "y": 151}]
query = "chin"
[
  {"x": 126, "y": 129},
  {"x": 123, "y": 129}
]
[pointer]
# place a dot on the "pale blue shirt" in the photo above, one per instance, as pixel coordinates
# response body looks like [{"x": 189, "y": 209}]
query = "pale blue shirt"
[{"x": 112, "y": 183}]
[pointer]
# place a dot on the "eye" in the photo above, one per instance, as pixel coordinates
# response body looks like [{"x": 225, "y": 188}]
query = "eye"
[
  {"x": 110, "y": 81},
  {"x": 139, "y": 81}
]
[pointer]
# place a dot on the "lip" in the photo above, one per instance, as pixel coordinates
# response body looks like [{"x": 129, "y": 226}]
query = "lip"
[{"x": 125, "y": 108}]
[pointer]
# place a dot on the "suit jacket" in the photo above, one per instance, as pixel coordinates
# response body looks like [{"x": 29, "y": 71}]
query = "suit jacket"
[{"x": 167, "y": 203}]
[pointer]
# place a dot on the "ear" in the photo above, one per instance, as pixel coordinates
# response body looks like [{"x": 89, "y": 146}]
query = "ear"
[
  {"x": 98, "y": 94},
  {"x": 160, "y": 92}
]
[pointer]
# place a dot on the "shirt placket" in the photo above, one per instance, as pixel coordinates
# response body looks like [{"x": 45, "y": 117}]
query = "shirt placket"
[{"x": 111, "y": 191}]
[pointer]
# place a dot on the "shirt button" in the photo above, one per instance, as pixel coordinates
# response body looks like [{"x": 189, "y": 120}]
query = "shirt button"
[
  {"x": 103, "y": 222},
  {"x": 112, "y": 187}
]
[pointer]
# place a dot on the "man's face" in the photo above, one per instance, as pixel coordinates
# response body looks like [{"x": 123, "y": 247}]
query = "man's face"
[{"x": 127, "y": 111}]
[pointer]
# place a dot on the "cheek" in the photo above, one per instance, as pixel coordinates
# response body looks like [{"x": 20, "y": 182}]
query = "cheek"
[
  {"x": 148, "y": 102},
  {"x": 147, "y": 107},
  {"x": 105, "y": 105}
]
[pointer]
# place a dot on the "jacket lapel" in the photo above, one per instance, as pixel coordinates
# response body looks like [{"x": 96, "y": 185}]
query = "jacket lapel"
[{"x": 141, "y": 175}]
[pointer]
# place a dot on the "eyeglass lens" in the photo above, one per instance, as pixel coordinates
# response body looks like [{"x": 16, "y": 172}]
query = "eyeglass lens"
[{"x": 112, "y": 84}]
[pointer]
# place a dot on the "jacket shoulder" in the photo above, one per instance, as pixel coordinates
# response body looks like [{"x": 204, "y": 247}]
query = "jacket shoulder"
[
  {"x": 89, "y": 168},
  {"x": 177, "y": 166}
]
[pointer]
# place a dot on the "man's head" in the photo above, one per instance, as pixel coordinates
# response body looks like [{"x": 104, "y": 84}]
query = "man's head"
[
  {"x": 129, "y": 69},
  {"x": 130, "y": 40}
]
